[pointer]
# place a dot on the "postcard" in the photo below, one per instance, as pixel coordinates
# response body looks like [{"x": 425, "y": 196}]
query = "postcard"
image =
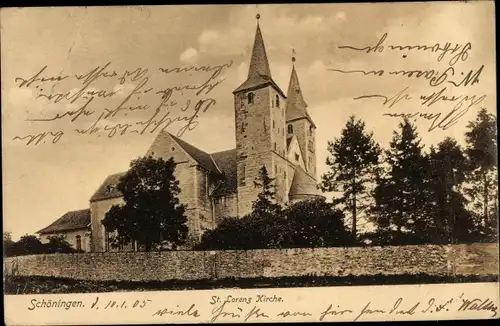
[{"x": 249, "y": 163}]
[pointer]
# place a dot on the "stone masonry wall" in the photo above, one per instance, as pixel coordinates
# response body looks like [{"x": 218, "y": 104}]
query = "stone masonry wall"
[{"x": 190, "y": 265}]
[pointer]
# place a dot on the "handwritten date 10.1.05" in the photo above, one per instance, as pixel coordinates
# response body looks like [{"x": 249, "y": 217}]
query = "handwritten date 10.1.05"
[{"x": 123, "y": 304}]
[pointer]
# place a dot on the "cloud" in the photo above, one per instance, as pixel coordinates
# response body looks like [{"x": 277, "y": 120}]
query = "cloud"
[
  {"x": 341, "y": 16},
  {"x": 189, "y": 56}
]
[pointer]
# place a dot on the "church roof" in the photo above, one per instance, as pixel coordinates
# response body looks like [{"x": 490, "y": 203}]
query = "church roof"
[
  {"x": 303, "y": 184},
  {"x": 73, "y": 220},
  {"x": 108, "y": 189},
  {"x": 226, "y": 161},
  {"x": 288, "y": 141},
  {"x": 223, "y": 162},
  {"x": 259, "y": 65},
  {"x": 259, "y": 73},
  {"x": 296, "y": 106},
  {"x": 201, "y": 157}
]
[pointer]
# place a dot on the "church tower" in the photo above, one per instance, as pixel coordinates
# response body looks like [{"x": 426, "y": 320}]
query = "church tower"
[
  {"x": 300, "y": 124},
  {"x": 260, "y": 129}
]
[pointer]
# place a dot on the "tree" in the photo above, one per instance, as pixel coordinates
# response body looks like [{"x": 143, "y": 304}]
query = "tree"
[
  {"x": 152, "y": 213},
  {"x": 231, "y": 233},
  {"x": 265, "y": 203},
  {"x": 314, "y": 223},
  {"x": 8, "y": 244},
  {"x": 29, "y": 245},
  {"x": 267, "y": 216},
  {"x": 353, "y": 160},
  {"x": 482, "y": 176},
  {"x": 447, "y": 219},
  {"x": 400, "y": 195},
  {"x": 58, "y": 244}
]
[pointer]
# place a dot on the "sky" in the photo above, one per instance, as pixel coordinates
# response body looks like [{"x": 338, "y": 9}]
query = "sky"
[{"x": 41, "y": 183}]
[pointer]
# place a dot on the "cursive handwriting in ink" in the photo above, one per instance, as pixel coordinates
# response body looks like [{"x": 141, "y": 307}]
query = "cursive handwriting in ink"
[
  {"x": 97, "y": 72},
  {"x": 436, "y": 97},
  {"x": 219, "y": 312},
  {"x": 399, "y": 311},
  {"x": 376, "y": 48},
  {"x": 456, "y": 51},
  {"x": 479, "y": 305},
  {"x": 120, "y": 107},
  {"x": 400, "y": 96},
  {"x": 191, "y": 312},
  {"x": 367, "y": 311},
  {"x": 71, "y": 113},
  {"x": 287, "y": 313},
  {"x": 255, "y": 313},
  {"x": 364, "y": 72},
  {"x": 333, "y": 312},
  {"x": 471, "y": 78},
  {"x": 204, "y": 68},
  {"x": 37, "y": 78},
  {"x": 37, "y": 139}
]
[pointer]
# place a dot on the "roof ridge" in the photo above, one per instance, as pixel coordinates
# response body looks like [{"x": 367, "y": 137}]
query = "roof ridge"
[{"x": 215, "y": 163}]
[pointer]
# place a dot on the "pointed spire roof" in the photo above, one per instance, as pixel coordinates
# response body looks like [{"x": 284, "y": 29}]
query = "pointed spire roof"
[
  {"x": 259, "y": 65},
  {"x": 296, "y": 106},
  {"x": 259, "y": 73}
]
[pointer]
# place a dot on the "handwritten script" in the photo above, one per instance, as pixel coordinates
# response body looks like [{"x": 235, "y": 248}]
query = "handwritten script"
[
  {"x": 265, "y": 307},
  {"x": 440, "y": 95},
  {"x": 105, "y": 101}
]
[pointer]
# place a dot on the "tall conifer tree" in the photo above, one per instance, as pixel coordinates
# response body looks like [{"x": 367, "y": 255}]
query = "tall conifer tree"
[
  {"x": 353, "y": 160},
  {"x": 482, "y": 177},
  {"x": 400, "y": 196}
]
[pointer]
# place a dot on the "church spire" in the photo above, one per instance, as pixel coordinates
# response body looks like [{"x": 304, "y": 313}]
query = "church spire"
[
  {"x": 259, "y": 66},
  {"x": 259, "y": 73},
  {"x": 296, "y": 105}
]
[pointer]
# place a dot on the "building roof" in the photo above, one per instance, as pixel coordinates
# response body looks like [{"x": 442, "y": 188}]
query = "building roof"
[
  {"x": 73, "y": 220},
  {"x": 259, "y": 65},
  {"x": 202, "y": 158},
  {"x": 303, "y": 184},
  {"x": 296, "y": 106},
  {"x": 259, "y": 73},
  {"x": 288, "y": 142},
  {"x": 108, "y": 188},
  {"x": 226, "y": 161}
]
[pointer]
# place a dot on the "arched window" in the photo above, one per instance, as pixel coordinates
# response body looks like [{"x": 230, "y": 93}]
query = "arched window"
[
  {"x": 277, "y": 101},
  {"x": 78, "y": 242},
  {"x": 250, "y": 98},
  {"x": 290, "y": 129}
]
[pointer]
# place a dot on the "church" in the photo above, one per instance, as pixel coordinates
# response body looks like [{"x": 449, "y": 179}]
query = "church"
[{"x": 271, "y": 129}]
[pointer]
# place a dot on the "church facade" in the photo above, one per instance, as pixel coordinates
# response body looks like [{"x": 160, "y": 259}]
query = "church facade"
[{"x": 272, "y": 130}]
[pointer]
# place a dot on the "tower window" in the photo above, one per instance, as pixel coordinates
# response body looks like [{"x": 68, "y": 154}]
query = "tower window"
[
  {"x": 276, "y": 169},
  {"x": 310, "y": 130},
  {"x": 274, "y": 124},
  {"x": 290, "y": 129},
  {"x": 277, "y": 101},
  {"x": 274, "y": 146},
  {"x": 296, "y": 157},
  {"x": 250, "y": 98}
]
